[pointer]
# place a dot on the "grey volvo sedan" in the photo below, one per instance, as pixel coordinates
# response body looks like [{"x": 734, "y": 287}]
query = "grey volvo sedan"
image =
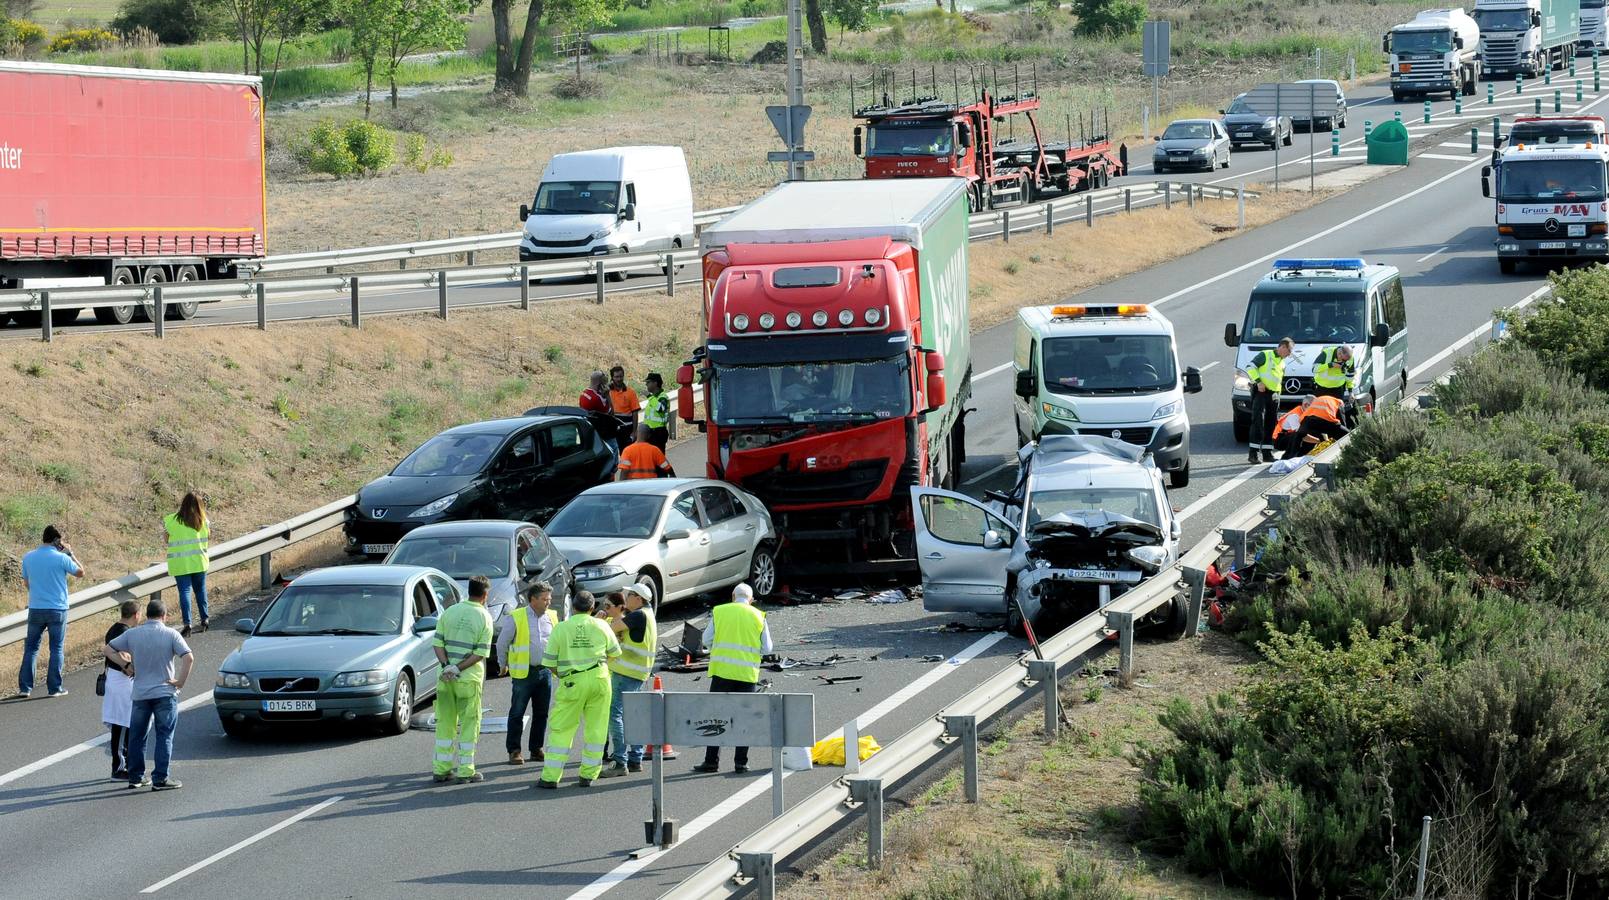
[{"x": 344, "y": 643}]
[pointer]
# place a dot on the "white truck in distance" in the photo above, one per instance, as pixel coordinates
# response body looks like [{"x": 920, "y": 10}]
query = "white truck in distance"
[
  {"x": 614, "y": 200},
  {"x": 1527, "y": 37},
  {"x": 1437, "y": 52},
  {"x": 1594, "y": 34},
  {"x": 1551, "y": 205}
]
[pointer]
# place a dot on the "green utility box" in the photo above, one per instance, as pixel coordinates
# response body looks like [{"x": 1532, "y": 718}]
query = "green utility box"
[{"x": 1388, "y": 145}]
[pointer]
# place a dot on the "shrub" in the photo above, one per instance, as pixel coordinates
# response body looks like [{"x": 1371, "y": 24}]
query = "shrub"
[
  {"x": 572, "y": 87},
  {"x": 374, "y": 147},
  {"x": 418, "y": 155},
  {"x": 1109, "y": 18},
  {"x": 357, "y": 147},
  {"x": 1006, "y": 876},
  {"x": 82, "y": 40},
  {"x": 1573, "y": 331},
  {"x": 173, "y": 21},
  {"x": 21, "y": 34}
]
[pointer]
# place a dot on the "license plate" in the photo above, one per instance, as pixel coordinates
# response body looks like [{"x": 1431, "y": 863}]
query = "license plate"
[
  {"x": 289, "y": 706},
  {"x": 1576, "y": 231},
  {"x": 1103, "y": 575},
  {"x": 1244, "y": 133},
  {"x": 1551, "y": 245},
  {"x": 378, "y": 549}
]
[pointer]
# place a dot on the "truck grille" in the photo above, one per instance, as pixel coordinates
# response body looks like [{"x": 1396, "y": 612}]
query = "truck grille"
[
  {"x": 1500, "y": 54},
  {"x": 1591, "y": 31},
  {"x": 853, "y": 483},
  {"x": 581, "y": 242},
  {"x": 1536, "y": 231},
  {"x": 1138, "y": 436},
  {"x": 1422, "y": 71},
  {"x": 294, "y": 684}
]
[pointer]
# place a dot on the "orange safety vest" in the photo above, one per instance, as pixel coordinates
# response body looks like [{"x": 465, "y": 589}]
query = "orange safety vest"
[
  {"x": 642, "y": 460},
  {"x": 1326, "y": 408},
  {"x": 1279, "y": 424}
]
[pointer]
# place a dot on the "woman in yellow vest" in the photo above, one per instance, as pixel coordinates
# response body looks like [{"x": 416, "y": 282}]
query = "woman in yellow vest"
[
  {"x": 187, "y": 555},
  {"x": 633, "y": 623}
]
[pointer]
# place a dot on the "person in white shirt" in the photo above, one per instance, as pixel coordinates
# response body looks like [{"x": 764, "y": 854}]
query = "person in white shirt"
[{"x": 532, "y": 685}]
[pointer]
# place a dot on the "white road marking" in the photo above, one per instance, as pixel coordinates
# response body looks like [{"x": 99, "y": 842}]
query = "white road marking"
[
  {"x": 274, "y": 829},
  {"x": 1009, "y": 464},
  {"x": 97, "y": 741},
  {"x": 1459, "y": 144},
  {"x": 762, "y": 785},
  {"x": 1210, "y": 365},
  {"x": 1430, "y": 254},
  {"x": 994, "y": 371},
  {"x": 1218, "y": 492}
]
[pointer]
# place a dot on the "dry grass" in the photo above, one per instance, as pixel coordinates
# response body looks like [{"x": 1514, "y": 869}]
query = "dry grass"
[{"x": 1039, "y": 800}]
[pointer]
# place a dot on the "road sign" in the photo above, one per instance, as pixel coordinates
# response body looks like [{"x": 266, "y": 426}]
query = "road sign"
[
  {"x": 1156, "y": 46},
  {"x": 789, "y": 121},
  {"x": 787, "y": 156}
]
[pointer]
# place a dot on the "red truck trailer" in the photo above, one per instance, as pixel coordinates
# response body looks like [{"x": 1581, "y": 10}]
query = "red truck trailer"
[
  {"x": 926, "y": 137},
  {"x": 124, "y": 176}
]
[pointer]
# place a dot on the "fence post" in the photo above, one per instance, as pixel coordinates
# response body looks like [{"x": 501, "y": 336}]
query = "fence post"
[
  {"x": 597, "y": 273},
  {"x": 1424, "y": 854},
  {"x": 670, "y": 275},
  {"x": 357, "y": 315},
  {"x": 159, "y": 311},
  {"x": 441, "y": 293},
  {"x": 1005, "y": 225},
  {"x": 1167, "y": 195},
  {"x": 869, "y": 791},
  {"x": 1123, "y": 623},
  {"x": 1195, "y": 593},
  {"x": 966, "y": 728},
  {"x": 1044, "y": 672},
  {"x": 44, "y": 317},
  {"x": 1050, "y": 218},
  {"x": 1089, "y": 210},
  {"x": 525, "y": 287},
  {"x": 262, "y": 306}
]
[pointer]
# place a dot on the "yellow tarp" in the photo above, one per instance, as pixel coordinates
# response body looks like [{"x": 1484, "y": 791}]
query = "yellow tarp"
[{"x": 830, "y": 751}]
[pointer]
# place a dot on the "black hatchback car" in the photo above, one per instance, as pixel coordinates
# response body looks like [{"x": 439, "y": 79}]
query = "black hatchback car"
[{"x": 523, "y": 468}]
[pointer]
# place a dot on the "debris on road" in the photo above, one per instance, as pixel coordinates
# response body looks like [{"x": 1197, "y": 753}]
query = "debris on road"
[
  {"x": 830, "y": 751},
  {"x": 835, "y": 679},
  {"x": 892, "y": 595},
  {"x": 962, "y": 628}
]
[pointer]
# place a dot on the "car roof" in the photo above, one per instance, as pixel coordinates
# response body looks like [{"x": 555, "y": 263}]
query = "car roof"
[
  {"x": 1077, "y": 461},
  {"x": 1324, "y": 281},
  {"x": 469, "y": 528},
  {"x": 658, "y": 487},
  {"x": 502, "y": 426},
  {"x": 372, "y": 574},
  {"x": 1045, "y": 324},
  {"x": 1192, "y": 121}
]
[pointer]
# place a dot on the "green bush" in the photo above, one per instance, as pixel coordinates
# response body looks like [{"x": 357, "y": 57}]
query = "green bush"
[
  {"x": 22, "y": 35},
  {"x": 173, "y": 21},
  {"x": 1573, "y": 331},
  {"x": 1006, "y": 876},
  {"x": 78, "y": 40},
  {"x": 357, "y": 147},
  {"x": 1109, "y": 18}
]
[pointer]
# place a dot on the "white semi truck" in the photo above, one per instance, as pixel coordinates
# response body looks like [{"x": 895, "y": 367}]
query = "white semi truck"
[
  {"x": 1594, "y": 33},
  {"x": 1437, "y": 52},
  {"x": 1527, "y": 37},
  {"x": 1551, "y": 204}
]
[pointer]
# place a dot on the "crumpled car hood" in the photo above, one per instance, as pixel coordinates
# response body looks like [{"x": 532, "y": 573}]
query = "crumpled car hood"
[{"x": 1094, "y": 525}]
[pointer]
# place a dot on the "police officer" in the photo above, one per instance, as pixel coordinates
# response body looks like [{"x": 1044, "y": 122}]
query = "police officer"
[
  {"x": 656, "y": 410},
  {"x": 462, "y": 643},
  {"x": 1333, "y": 371},
  {"x": 576, "y": 653},
  {"x": 1267, "y": 374},
  {"x": 738, "y": 638}
]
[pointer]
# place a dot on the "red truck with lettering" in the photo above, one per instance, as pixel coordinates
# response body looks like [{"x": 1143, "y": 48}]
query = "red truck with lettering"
[{"x": 127, "y": 176}]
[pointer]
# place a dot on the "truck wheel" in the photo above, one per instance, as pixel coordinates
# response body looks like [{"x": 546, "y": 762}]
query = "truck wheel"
[
  {"x": 1179, "y": 478},
  {"x": 188, "y": 309},
  {"x": 1396, "y": 96},
  {"x": 1507, "y": 265},
  {"x": 117, "y": 315},
  {"x": 152, "y": 275},
  {"x": 1242, "y": 425}
]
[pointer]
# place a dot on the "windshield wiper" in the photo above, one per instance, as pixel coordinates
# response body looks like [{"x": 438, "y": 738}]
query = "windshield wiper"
[
  {"x": 758, "y": 420},
  {"x": 275, "y": 633},
  {"x": 347, "y": 631}
]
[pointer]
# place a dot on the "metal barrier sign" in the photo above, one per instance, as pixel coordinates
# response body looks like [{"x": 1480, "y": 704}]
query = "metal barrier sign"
[{"x": 716, "y": 720}]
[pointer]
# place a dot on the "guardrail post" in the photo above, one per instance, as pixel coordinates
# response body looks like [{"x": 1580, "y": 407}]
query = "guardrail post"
[
  {"x": 159, "y": 311},
  {"x": 851, "y": 745},
  {"x": 1280, "y": 504},
  {"x": 1326, "y": 473},
  {"x": 357, "y": 315},
  {"x": 441, "y": 294},
  {"x": 1236, "y": 539},
  {"x": 1195, "y": 594},
  {"x": 1005, "y": 225},
  {"x": 1240, "y": 206},
  {"x": 265, "y": 570},
  {"x": 966, "y": 728},
  {"x": 1189, "y": 197},
  {"x": 262, "y": 306},
  {"x": 670, "y": 275},
  {"x": 1050, "y": 218},
  {"x": 44, "y": 316},
  {"x": 1123, "y": 623},
  {"x": 1167, "y": 195},
  {"x": 469, "y": 258},
  {"x": 1044, "y": 672},
  {"x": 402, "y": 263},
  {"x": 869, "y": 791},
  {"x": 1128, "y": 200},
  {"x": 761, "y": 868},
  {"x": 525, "y": 287},
  {"x": 597, "y": 272}
]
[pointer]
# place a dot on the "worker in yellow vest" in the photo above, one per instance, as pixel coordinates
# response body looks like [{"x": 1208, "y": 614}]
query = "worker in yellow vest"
[
  {"x": 187, "y": 556},
  {"x": 462, "y": 643},
  {"x": 633, "y": 623},
  {"x": 576, "y": 653},
  {"x": 520, "y": 636},
  {"x": 738, "y": 637}
]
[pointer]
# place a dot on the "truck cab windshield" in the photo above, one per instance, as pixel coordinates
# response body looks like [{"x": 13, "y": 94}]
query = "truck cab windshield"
[
  {"x": 1307, "y": 318},
  {"x": 1109, "y": 364},
  {"x": 1503, "y": 19},
  {"x": 864, "y": 391},
  {"x": 1593, "y": 4},
  {"x": 569, "y": 198},
  {"x": 910, "y": 139},
  {"x": 1550, "y": 179},
  {"x": 1422, "y": 41}
]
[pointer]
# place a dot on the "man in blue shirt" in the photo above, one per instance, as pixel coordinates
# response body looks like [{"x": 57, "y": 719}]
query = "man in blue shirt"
[{"x": 44, "y": 573}]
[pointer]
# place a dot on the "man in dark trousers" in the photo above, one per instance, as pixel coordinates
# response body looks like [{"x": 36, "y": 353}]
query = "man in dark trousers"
[
  {"x": 737, "y": 637},
  {"x": 1267, "y": 373}
]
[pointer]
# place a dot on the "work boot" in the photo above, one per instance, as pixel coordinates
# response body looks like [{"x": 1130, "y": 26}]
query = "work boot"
[
  {"x": 441, "y": 778},
  {"x": 1251, "y": 455},
  {"x": 707, "y": 767},
  {"x": 516, "y": 759},
  {"x": 614, "y": 771},
  {"x": 539, "y": 756},
  {"x": 633, "y": 767},
  {"x": 471, "y": 778},
  {"x": 546, "y": 785},
  {"x": 185, "y": 631},
  {"x": 740, "y": 769},
  {"x": 1268, "y": 456},
  {"x": 584, "y": 782}
]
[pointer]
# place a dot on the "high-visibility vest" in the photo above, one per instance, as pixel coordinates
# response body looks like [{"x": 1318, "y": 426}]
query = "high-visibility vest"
[
  {"x": 1288, "y": 422},
  {"x": 656, "y": 410},
  {"x": 580, "y": 644},
  {"x": 1267, "y": 367},
  {"x": 1330, "y": 372},
  {"x": 465, "y": 628},
  {"x": 1326, "y": 408},
  {"x": 187, "y": 547},
  {"x": 519, "y": 652},
  {"x": 641, "y": 461},
  {"x": 735, "y": 653},
  {"x": 636, "y": 659}
]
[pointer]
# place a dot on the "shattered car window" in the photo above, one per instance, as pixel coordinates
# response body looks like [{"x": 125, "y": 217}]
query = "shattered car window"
[{"x": 1132, "y": 503}]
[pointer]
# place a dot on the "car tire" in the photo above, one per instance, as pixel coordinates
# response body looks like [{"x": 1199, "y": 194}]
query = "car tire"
[
  {"x": 1242, "y": 427},
  {"x": 763, "y": 572},
  {"x": 238, "y": 730},
  {"x": 649, "y": 580},
  {"x": 1014, "y": 623},
  {"x": 1178, "y": 622},
  {"x": 401, "y": 706},
  {"x": 1288, "y": 139},
  {"x": 1179, "y": 478}
]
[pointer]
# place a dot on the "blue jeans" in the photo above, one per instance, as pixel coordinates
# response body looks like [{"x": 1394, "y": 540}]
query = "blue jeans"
[
  {"x": 618, "y": 751},
  {"x": 188, "y": 583},
  {"x": 165, "y": 710},
  {"x": 39, "y": 620},
  {"x": 536, "y": 691}
]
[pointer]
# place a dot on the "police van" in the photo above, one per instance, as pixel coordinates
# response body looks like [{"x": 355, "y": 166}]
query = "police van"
[
  {"x": 1322, "y": 303},
  {"x": 1107, "y": 370}
]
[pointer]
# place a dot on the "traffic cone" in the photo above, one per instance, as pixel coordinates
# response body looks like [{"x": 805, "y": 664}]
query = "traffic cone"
[{"x": 666, "y": 751}]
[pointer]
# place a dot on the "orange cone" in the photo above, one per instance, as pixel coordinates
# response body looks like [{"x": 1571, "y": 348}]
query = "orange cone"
[{"x": 666, "y": 751}]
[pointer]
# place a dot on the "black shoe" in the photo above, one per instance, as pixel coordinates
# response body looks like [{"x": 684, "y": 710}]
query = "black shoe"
[
  {"x": 471, "y": 778},
  {"x": 584, "y": 782},
  {"x": 546, "y": 785},
  {"x": 707, "y": 767},
  {"x": 441, "y": 778},
  {"x": 203, "y": 628},
  {"x": 120, "y": 775},
  {"x": 1251, "y": 457},
  {"x": 740, "y": 769},
  {"x": 172, "y": 784},
  {"x": 185, "y": 631},
  {"x": 634, "y": 767},
  {"x": 1268, "y": 456}
]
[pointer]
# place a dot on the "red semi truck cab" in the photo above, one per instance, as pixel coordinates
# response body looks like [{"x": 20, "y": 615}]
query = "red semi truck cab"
[{"x": 834, "y": 314}]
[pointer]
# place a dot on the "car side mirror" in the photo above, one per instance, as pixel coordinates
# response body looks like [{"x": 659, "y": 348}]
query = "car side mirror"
[
  {"x": 992, "y": 540},
  {"x": 675, "y": 534},
  {"x": 1458, "y": 42},
  {"x": 1381, "y": 336},
  {"x": 629, "y": 214},
  {"x": 245, "y": 626},
  {"x": 1192, "y": 380},
  {"x": 1486, "y": 181},
  {"x": 424, "y": 624},
  {"x": 1385, "y": 44},
  {"x": 525, "y": 212},
  {"x": 937, "y": 394},
  {"x": 1231, "y": 335},
  {"x": 859, "y": 151},
  {"x": 1025, "y": 387}
]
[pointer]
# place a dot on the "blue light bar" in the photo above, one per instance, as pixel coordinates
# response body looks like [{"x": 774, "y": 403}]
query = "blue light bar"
[{"x": 1292, "y": 265}]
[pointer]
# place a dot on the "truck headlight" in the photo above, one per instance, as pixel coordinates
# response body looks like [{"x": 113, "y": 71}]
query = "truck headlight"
[
  {"x": 1061, "y": 413},
  {"x": 1242, "y": 381},
  {"x": 596, "y": 573},
  {"x": 433, "y": 507},
  {"x": 232, "y": 680},
  {"x": 1166, "y": 411},
  {"x": 361, "y": 679}
]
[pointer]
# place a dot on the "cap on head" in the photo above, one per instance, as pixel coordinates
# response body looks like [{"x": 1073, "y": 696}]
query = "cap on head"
[
  {"x": 641, "y": 591},
  {"x": 654, "y": 378},
  {"x": 743, "y": 593}
]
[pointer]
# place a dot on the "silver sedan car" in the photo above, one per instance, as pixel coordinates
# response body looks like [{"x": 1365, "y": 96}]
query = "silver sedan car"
[{"x": 678, "y": 537}]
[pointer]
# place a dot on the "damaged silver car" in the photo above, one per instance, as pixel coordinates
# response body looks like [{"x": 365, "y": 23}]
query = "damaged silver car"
[{"x": 1089, "y": 518}]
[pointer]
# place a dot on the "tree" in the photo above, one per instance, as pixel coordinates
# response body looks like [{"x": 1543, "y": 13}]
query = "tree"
[
  {"x": 817, "y": 25},
  {"x": 1109, "y": 18},
  {"x": 260, "y": 22},
  {"x": 514, "y": 60},
  {"x": 851, "y": 15},
  {"x": 370, "y": 22},
  {"x": 414, "y": 25}
]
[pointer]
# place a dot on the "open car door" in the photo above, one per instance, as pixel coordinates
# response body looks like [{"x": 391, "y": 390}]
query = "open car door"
[{"x": 962, "y": 549}]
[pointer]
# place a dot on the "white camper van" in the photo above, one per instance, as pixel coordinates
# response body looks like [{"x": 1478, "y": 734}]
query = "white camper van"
[{"x": 615, "y": 200}]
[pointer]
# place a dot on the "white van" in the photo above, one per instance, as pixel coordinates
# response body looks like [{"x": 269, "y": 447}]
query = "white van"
[
  {"x": 615, "y": 200},
  {"x": 1105, "y": 370}
]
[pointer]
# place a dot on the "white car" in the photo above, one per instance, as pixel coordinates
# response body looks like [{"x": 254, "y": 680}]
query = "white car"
[
  {"x": 679, "y": 537},
  {"x": 1088, "y": 519}
]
